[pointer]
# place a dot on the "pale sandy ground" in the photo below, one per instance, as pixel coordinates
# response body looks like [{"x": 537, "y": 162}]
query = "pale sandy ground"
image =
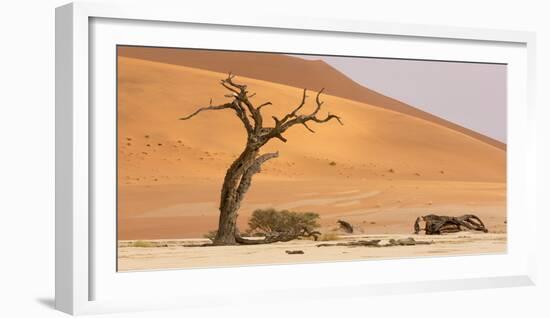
[{"x": 176, "y": 256}]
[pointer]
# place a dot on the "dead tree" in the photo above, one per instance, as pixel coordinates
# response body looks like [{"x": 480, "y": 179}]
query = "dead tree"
[
  {"x": 239, "y": 175},
  {"x": 439, "y": 224}
]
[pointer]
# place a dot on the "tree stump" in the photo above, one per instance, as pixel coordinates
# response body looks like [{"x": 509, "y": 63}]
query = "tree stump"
[{"x": 348, "y": 228}]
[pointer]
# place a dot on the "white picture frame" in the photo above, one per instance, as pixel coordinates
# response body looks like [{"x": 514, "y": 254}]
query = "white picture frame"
[{"x": 84, "y": 285}]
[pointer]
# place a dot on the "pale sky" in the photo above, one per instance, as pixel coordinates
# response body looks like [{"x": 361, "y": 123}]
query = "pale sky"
[{"x": 469, "y": 94}]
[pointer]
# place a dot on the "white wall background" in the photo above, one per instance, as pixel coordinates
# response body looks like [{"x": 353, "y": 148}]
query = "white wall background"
[{"x": 27, "y": 158}]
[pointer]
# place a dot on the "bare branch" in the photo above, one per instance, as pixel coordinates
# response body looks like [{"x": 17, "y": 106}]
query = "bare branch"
[
  {"x": 318, "y": 101},
  {"x": 255, "y": 114},
  {"x": 329, "y": 117},
  {"x": 255, "y": 167},
  {"x": 223, "y": 82},
  {"x": 307, "y": 127},
  {"x": 263, "y": 105},
  {"x": 224, "y": 106},
  {"x": 241, "y": 113},
  {"x": 279, "y": 136},
  {"x": 295, "y": 111},
  {"x": 241, "y": 96},
  {"x": 263, "y": 158},
  {"x": 291, "y": 119},
  {"x": 238, "y": 93},
  {"x": 277, "y": 121},
  {"x": 229, "y": 80}
]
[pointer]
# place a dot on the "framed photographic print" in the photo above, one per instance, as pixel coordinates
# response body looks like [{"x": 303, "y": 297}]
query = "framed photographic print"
[{"x": 245, "y": 156}]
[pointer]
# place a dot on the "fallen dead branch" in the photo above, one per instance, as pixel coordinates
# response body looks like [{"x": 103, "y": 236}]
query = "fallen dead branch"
[
  {"x": 376, "y": 243},
  {"x": 352, "y": 243},
  {"x": 279, "y": 237},
  {"x": 295, "y": 252},
  {"x": 440, "y": 224},
  {"x": 406, "y": 242}
]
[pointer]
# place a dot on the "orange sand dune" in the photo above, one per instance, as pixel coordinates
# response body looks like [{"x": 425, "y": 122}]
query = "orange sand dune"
[
  {"x": 292, "y": 71},
  {"x": 380, "y": 170}
]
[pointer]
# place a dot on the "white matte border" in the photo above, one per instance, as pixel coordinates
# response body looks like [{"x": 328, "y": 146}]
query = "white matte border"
[
  {"x": 76, "y": 148},
  {"x": 108, "y": 285}
]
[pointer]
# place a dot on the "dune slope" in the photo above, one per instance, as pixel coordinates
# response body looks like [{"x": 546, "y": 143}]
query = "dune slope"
[
  {"x": 291, "y": 71},
  {"x": 382, "y": 166}
]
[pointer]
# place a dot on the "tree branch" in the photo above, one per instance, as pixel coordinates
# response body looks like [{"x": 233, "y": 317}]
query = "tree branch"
[
  {"x": 255, "y": 167},
  {"x": 242, "y": 106},
  {"x": 291, "y": 119},
  {"x": 295, "y": 111},
  {"x": 224, "y": 106},
  {"x": 263, "y": 105},
  {"x": 242, "y": 97},
  {"x": 307, "y": 127},
  {"x": 329, "y": 117}
]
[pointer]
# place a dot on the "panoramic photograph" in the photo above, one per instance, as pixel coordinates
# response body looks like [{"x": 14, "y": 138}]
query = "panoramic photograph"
[{"x": 233, "y": 158}]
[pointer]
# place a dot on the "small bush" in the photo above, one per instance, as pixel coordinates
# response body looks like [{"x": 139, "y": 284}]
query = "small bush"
[
  {"x": 266, "y": 221},
  {"x": 142, "y": 244},
  {"x": 332, "y": 163},
  {"x": 329, "y": 237}
]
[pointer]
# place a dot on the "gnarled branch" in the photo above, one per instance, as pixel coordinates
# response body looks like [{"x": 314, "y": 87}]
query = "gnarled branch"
[
  {"x": 293, "y": 118},
  {"x": 438, "y": 224},
  {"x": 246, "y": 179},
  {"x": 219, "y": 107},
  {"x": 295, "y": 111}
]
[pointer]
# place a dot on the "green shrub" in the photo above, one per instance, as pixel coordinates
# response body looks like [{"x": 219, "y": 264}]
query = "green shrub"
[{"x": 266, "y": 221}]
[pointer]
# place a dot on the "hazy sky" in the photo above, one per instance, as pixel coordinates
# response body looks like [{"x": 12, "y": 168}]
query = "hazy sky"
[{"x": 469, "y": 94}]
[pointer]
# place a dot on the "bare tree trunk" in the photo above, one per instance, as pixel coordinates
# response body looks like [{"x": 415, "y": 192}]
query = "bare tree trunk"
[
  {"x": 236, "y": 184},
  {"x": 230, "y": 199}
]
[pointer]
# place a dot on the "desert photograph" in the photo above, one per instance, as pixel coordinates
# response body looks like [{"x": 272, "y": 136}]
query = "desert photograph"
[{"x": 229, "y": 158}]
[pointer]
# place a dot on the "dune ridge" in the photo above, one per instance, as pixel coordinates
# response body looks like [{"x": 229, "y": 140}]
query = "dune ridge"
[{"x": 291, "y": 71}]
